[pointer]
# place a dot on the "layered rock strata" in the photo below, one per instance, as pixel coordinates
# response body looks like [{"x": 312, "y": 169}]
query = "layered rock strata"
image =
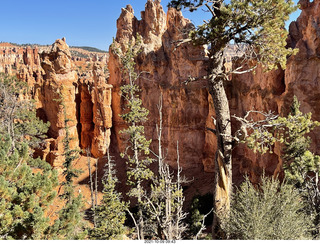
[
  {"x": 67, "y": 98},
  {"x": 163, "y": 67},
  {"x": 188, "y": 109}
]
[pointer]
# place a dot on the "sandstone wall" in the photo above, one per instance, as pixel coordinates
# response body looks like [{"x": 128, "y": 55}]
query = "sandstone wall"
[
  {"x": 185, "y": 108},
  {"x": 61, "y": 92},
  {"x": 188, "y": 109}
]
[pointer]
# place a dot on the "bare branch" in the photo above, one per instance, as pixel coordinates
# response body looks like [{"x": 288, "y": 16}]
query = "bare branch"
[
  {"x": 203, "y": 227},
  {"x": 193, "y": 79},
  {"x": 236, "y": 71},
  {"x": 210, "y": 9},
  {"x": 212, "y": 130},
  {"x": 181, "y": 42},
  {"x": 135, "y": 223}
]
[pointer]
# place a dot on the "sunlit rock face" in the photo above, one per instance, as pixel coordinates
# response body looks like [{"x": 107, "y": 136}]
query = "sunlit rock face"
[
  {"x": 63, "y": 94},
  {"x": 188, "y": 109},
  {"x": 164, "y": 67}
]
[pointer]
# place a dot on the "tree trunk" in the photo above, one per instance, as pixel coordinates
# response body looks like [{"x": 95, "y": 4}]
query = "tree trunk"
[{"x": 223, "y": 157}]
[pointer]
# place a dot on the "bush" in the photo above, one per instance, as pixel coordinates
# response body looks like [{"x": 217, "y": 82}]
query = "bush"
[{"x": 268, "y": 211}]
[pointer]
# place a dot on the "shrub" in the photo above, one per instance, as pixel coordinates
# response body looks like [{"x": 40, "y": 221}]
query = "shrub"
[{"x": 270, "y": 210}]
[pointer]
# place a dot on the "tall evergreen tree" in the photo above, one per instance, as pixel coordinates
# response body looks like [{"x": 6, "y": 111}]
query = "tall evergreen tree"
[
  {"x": 135, "y": 115},
  {"x": 27, "y": 185},
  {"x": 110, "y": 213},
  {"x": 299, "y": 162},
  {"x": 255, "y": 28},
  {"x": 69, "y": 225}
]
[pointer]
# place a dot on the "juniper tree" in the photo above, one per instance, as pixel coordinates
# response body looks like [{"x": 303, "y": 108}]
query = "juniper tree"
[
  {"x": 137, "y": 150},
  {"x": 110, "y": 213},
  {"x": 27, "y": 185},
  {"x": 255, "y": 28}
]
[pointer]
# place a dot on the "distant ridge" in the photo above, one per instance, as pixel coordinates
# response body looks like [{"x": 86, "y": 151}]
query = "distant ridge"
[
  {"x": 90, "y": 49},
  {"x": 86, "y": 48}
]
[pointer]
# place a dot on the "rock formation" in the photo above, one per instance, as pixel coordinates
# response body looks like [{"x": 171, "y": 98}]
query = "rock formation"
[
  {"x": 57, "y": 97},
  {"x": 95, "y": 112},
  {"x": 164, "y": 68},
  {"x": 61, "y": 95},
  {"x": 275, "y": 90},
  {"x": 188, "y": 109}
]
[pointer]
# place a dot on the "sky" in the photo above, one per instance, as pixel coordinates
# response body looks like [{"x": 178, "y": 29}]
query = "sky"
[{"x": 81, "y": 22}]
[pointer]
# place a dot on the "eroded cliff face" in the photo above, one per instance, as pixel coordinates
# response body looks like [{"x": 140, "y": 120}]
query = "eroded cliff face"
[
  {"x": 63, "y": 93},
  {"x": 302, "y": 76},
  {"x": 164, "y": 67},
  {"x": 274, "y": 91},
  {"x": 188, "y": 109}
]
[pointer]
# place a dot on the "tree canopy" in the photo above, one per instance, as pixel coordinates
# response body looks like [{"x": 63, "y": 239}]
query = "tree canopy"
[{"x": 255, "y": 27}]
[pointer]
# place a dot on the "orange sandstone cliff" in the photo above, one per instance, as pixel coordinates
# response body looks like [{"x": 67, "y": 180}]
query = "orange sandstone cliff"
[
  {"x": 188, "y": 108},
  {"x": 164, "y": 67}
]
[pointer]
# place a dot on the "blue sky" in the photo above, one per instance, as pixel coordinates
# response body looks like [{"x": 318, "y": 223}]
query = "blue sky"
[{"x": 82, "y": 22}]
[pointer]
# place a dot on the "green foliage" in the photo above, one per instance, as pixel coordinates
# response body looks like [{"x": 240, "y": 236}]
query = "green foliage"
[
  {"x": 27, "y": 185},
  {"x": 138, "y": 146},
  {"x": 301, "y": 166},
  {"x": 69, "y": 225},
  {"x": 289, "y": 131},
  {"x": 258, "y": 24},
  {"x": 75, "y": 53},
  {"x": 90, "y": 49},
  {"x": 201, "y": 205},
  {"x": 270, "y": 211},
  {"x": 110, "y": 213},
  {"x": 134, "y": 115},
  {"x": 17, "y": 115},
  {"x": 299, "y": 161},
  {"x": 25, "y": 197},
  {"x": 261, "y": 142}
]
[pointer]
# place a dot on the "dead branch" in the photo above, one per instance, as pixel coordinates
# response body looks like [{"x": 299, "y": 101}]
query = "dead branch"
[
  {"x": 203, "y": 227},
  {"x": 181, "y": 42}
]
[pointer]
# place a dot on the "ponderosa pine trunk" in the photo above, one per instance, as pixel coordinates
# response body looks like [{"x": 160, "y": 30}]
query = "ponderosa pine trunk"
[{"x": 223, "y": 156}]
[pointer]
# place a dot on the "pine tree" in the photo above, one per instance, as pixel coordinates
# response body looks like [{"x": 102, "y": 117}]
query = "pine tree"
[
  {"x": 299, "y": 162},
  {"x": 69, "y": 225},
  {"x": 254, "y": 28},
  {"x": 301, "y": 166},
  {"x": 110, "y": 213},
  {"x": 27, "y": 185},
  {"x": 135, "y": 115}
]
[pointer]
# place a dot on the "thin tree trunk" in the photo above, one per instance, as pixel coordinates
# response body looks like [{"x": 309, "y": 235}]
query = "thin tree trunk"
[
  {"x": 140, "y": 217},
  {"x": 93, "y": 205},
  {"x": 223, "y": 157},
  {"x": 96, "y": 185}
]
